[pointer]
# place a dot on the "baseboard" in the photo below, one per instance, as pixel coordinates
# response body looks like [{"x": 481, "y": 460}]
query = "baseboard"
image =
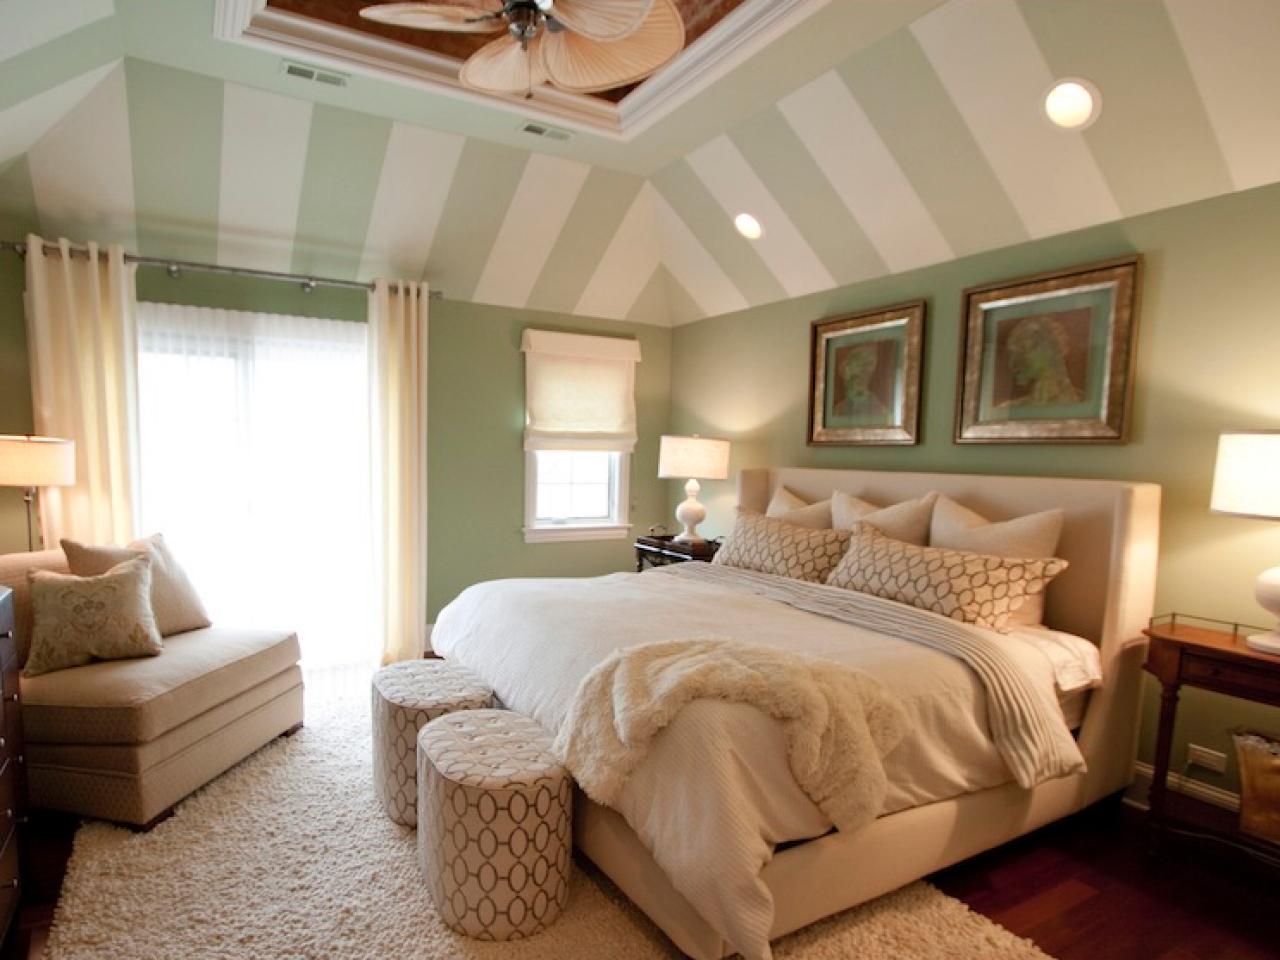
[{"x": 1136, "y": 795}]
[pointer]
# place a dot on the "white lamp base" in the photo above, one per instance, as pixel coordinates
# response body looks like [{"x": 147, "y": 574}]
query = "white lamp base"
[
  {"x": 1267, "y": 593},
  {"x": 690, "y": 513}
]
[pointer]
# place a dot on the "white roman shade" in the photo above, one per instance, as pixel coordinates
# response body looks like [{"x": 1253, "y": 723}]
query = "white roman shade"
[{"x": 579, "y": 392}]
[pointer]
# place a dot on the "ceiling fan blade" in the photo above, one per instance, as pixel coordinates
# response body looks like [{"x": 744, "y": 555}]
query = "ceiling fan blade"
[
  {"x": 602, "y": 19},
  {"x": 500, "y": 66},
  {"x": 581, "y": 65},
  {"x": 436, "y": 16}
]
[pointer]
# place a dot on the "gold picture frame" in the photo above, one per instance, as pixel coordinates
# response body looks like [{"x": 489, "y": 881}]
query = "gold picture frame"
[
  {"x": 864, "y": 377},
  {"x": 1049, "y": 358}
]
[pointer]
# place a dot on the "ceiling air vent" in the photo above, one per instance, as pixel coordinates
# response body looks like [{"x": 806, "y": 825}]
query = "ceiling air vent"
[
  {"x": 542, "y": 130},
  {"x": 304, "y": 71}
]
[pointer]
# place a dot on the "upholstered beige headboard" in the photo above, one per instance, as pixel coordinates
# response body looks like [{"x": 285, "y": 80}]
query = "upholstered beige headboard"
[{"x": 1110, "y": 537}]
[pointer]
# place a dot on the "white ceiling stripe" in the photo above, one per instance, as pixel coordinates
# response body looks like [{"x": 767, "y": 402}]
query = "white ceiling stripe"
[
  {"x": 996, "y": 75},
  {"x": 416, "y": 176},
  {"x": 23, "y": 124},
  {"x": 30, "y": 23},
  {"x": 722, "y": 168},
  {"x": 1232, "y": 52},
  {"x": 837, "y": 132},
  {"x": 627, "y": 264},
  {"x": 264, "y": 154},
  {"x": 82, "y": 170},
  {"x": 542, "y": 203},
  {"x": 690, "y": 263}
]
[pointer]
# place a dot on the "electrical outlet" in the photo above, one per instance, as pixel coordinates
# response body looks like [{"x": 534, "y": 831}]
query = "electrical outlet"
[{"x": 1198, "y": 756}]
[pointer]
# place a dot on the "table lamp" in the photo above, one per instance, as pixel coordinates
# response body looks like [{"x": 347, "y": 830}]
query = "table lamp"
[
  {"x": 1246, "y": 483},
  {"x": 695, "y": 458},
  {"x": 31, "y": 462}
]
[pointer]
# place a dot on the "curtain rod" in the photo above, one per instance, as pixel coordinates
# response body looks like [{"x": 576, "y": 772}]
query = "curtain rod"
[{"x": 175, "y": 268}]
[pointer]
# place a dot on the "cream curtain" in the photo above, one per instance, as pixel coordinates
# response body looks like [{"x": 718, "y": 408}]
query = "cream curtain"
[
  {"x": 398, "y": 440},
  {"x": 82, "y": 336}
]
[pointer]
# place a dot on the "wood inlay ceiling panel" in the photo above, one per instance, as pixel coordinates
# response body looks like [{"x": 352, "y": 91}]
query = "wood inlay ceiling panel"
[{"x": 699, "y": 17}]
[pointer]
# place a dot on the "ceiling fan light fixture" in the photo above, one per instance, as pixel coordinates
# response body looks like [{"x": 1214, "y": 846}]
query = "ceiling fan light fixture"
[{"x": 748, "y": 226}]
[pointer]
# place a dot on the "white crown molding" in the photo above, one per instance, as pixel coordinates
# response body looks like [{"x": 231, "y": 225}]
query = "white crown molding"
[{"x": 728, "y": 44}]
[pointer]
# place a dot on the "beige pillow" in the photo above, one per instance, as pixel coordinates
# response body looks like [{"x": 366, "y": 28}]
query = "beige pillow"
[
  {"x": 971, "y": 587},
  {"x": 785, "y": 505},
  {"x": 174, "y": 601},
  {"x": 1033, "y": 537},
  {"x": 76, "y": 620},
  {"x": 784, "y": 549},
  {"x": 907, "y": 521}
]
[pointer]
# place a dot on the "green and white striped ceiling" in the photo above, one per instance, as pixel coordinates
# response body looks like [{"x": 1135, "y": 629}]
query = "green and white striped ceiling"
[{"x": 927, "y": 145}]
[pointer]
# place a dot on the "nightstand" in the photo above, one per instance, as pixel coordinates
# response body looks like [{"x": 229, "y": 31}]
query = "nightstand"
[
  {"x": 1211, "y": 656},
  {"x": 659, "y": 551},
  {"x": 13, "y": 787}
]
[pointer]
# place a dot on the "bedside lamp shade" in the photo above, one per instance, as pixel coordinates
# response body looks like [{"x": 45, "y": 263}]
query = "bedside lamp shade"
[
  {"x": 1246, "y": 480},
  {"x": 31, "y": 462},
  {"x": 698, "y": 458},
  {"x": 1245, "y": 485}
]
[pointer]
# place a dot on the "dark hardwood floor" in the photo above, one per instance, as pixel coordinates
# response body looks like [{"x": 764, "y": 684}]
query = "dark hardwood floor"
[{"x": 1085, "y": 888}]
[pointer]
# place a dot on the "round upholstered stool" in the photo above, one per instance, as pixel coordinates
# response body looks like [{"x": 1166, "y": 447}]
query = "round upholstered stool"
[
  {"x": 406, "y": 696},
  {"x": 494, "y": 823}
]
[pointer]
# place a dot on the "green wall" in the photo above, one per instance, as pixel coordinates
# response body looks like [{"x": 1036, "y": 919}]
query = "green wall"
[
  {"x": 1207, "y": 344},
  {"x": 476, "y": 421}
]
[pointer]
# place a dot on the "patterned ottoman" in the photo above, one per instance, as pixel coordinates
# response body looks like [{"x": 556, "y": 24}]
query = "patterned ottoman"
[
  {"x": 405, "y": 697},
  {"x": 494, "y": 823}
]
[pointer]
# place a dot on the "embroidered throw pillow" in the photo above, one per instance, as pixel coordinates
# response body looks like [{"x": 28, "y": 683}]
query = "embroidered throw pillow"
[
  {"x": 174, "y": 601},
  {"x": 76, "y": 620},
  {"x": 784, "y": 549},
  {"x": 907, "y": 521},
  {"x": 785, "y": 505},
  {"x": 1034, "y": 536},
  {"x": 971, "y": 587}
]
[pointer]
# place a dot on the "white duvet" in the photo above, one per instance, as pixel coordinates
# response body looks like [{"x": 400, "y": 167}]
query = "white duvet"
[{"x": 715, "y": 793}]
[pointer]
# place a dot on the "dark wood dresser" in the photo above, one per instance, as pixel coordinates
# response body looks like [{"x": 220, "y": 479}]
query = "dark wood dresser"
[{"x": 13, "y": 783}]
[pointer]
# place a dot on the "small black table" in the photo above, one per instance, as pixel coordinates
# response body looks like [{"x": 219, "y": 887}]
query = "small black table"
[{"x": 659, "y": 551}]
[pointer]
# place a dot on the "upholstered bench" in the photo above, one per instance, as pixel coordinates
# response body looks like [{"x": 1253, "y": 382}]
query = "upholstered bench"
[
  {"x": 405, "y": 697},
  {"x": 494, "y": 823}
]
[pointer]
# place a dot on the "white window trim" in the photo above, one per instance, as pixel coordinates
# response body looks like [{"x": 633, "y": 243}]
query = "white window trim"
[{"x": 535, "y": 532}]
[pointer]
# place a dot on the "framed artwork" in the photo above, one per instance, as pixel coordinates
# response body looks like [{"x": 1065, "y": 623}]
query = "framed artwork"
[
  {"x": 864, "y": 374},
  {"x": 1049, "y": 358}
]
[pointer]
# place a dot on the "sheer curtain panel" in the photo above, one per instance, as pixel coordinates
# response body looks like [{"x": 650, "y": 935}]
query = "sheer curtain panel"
[
  {"x": 82, "y": 337},
  {"x": 398, "y": 363},
  {"x": 256, "y": 467}
]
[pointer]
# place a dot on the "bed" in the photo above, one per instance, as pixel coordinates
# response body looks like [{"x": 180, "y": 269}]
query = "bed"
[{"x": 1110, "y": 539}]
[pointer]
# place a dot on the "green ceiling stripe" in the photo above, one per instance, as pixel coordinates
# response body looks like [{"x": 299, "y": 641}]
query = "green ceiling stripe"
[
  {"x": 345, "y": 151},
  {"x": 483, "y": 186},
  {"x": 797, "y": 182},
  {"x": 48, "y": 65},
  {"x": 175, "y": 126},
  {"x": 915, "y": 116},
  {"x": 597, "y": 213},
  {"x": 1153, "y": 141},
  {"x": 651, "y": 306},
  {"x": 681, "y": 306},
  {"x": 714, "y": 229}
]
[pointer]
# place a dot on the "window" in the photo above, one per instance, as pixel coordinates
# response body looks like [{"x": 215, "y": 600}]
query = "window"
[{"x": 579, "y": 433}]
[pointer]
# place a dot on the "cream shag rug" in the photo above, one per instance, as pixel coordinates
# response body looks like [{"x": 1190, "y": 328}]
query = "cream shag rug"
[{"x": 289, "y": 856}]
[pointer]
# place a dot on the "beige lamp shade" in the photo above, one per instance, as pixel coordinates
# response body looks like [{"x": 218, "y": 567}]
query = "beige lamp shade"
[
  {"x": 693, "y": 458},
  {"x": 37, "y": 462},
  {"x": 1245, "y": 480}
]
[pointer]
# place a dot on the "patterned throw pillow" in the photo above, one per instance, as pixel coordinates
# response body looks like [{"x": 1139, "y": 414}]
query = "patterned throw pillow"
[
  {"x": 775, "y": 546},
  {"x": 77, "y": 620},
  {"x": 971, "y": 587}
]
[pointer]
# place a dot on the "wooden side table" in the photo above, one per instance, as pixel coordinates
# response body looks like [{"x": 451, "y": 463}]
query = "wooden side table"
[
  {"x": 13, "y": 781},
  {"x": 1215, "y": 658},
  {"x": 659, "y": 551}
]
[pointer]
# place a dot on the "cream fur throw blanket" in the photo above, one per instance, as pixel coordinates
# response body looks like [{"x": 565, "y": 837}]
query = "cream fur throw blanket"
[{"x": 838, "y": 722}]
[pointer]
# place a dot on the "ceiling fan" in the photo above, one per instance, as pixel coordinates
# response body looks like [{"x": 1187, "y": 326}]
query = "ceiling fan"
[{"x": 583, "y": 46}]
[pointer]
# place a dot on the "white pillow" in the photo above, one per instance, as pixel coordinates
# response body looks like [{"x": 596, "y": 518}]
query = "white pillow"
[
  {"x": 1033, "y": 537},
  {"x": 785, "y": 505},
  {"x": 907, "y": 521}
]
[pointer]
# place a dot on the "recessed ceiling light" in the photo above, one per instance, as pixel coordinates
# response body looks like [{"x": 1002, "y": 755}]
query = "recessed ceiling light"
[
  {"x": 1072, "y": 103},
  {"x": 748, "y": 226}
]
